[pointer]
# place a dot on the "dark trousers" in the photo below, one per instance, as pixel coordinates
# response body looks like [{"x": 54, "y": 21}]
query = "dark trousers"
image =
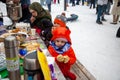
[
  {"x": 49, "y": 7},
  {"x": 92, "y": 3},
  {"x": 101, "y": 10},
  {"x": 108, "y": 7},
  {"x": 83, "y": 2},
  {"x": 77, "y": 2},
  {"x": 73, "y": 2}
]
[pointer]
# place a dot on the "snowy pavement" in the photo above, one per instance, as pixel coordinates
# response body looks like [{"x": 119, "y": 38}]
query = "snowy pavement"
[{"x": 96, "y": 46}]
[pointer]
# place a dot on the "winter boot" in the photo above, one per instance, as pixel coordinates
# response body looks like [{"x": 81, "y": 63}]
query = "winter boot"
[{"x": 99, "y": 22}]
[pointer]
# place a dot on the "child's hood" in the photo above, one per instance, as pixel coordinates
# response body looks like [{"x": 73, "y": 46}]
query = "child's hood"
[{"x": 61, "y": 32}]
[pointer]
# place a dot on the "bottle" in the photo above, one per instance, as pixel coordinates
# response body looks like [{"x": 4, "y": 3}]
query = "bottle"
[{"x": 12, "y": 59}]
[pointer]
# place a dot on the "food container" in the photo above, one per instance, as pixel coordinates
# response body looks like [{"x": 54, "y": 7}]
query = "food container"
[
  {"x": 32, "y": 69},
  {"x": 12, "y": 59}
]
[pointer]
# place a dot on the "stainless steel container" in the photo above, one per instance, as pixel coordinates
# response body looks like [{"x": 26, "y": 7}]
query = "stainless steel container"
[
  {"x": 32, "y": 69},
  {"x": 12, "y": 59},
  {"x": 14, "y": 11}
]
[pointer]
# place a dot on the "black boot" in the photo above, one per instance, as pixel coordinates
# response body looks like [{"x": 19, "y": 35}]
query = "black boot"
[
  {"x": 99, "y": 22},
  {"x": 103, "y": 19}
]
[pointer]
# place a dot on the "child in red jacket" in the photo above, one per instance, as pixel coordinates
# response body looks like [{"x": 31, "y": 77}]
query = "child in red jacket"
[{"x": 60, "y": 48}]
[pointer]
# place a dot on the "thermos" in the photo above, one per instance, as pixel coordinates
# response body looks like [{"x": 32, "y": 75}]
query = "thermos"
[
  {"x": 32, "y": 69},
  {"x": 12, "y": 59}
]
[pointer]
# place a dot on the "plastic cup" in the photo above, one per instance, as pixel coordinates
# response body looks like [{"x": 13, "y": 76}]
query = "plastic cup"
[{"x": 33, "y": 31}]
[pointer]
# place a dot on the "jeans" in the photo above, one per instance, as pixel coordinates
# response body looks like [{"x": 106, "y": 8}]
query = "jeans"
[
  {"x": 92, "y": 4},
  {"x": 49, "y": 7},
  {"x": 101, "y": 11},
  {"x": 83, "y": 2},
  {"x": 77, "y": 2},
  {"x": 42, "y": 2}
]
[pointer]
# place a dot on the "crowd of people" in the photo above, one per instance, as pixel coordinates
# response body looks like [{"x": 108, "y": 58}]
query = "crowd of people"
[
  {"x": 102, "y": 7},
  {"x": 56, "y": 34}
]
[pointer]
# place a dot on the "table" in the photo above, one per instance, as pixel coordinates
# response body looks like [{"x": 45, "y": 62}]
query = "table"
[{"x": 58, "y": 72}]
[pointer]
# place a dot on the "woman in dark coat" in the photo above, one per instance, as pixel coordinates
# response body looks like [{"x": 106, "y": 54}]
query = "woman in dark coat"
[{"x": 41, "y": 20}]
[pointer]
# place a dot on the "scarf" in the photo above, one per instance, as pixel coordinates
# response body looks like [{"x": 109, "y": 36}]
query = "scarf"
[{"x": 60, "y": 50}]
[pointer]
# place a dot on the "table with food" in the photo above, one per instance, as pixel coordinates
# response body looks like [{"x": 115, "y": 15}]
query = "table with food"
[{"x": 24, "y": 56}]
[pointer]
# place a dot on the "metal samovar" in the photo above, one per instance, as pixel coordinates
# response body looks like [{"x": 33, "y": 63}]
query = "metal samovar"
[{"x": 14, "y": 11}]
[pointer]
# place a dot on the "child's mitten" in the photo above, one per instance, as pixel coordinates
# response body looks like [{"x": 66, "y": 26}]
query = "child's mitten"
[
  {"x": 66, "y": 59},
  {"x": 60, "y": 58}
]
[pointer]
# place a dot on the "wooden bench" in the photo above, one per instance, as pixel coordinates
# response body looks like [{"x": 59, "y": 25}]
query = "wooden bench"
[{"x": 81, "y": 72}]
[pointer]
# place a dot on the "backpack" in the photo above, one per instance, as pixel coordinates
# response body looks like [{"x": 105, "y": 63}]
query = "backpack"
[{"x": 118, "y": 32}]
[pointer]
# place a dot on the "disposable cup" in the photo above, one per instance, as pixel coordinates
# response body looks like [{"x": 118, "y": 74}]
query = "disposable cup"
[{"x": 33, "y": 31}]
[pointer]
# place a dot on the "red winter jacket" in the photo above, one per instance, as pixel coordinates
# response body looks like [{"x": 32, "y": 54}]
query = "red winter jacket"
[
  {"x": 64, "y": 33},
  {"x": 65, "y": 67}
]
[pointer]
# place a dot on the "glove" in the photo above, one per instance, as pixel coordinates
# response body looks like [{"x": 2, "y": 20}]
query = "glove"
[
  {"x": 66, "y": 59},
  {"x": 60, "y": 58}
]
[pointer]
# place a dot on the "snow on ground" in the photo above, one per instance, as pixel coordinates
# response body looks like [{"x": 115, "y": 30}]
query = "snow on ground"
[{"x": 96, "y": 46}]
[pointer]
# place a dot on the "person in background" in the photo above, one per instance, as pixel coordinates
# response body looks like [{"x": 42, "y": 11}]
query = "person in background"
[
  {"x": 25, "y": 11},
  {"x": 110, "y": 2},
  {"x": 77, "y": 2},
  {"x": 1, "y": 21},
  {"x": 25, "y": 2},
  {"x": 101, "y": 8},
  {"x": 62, "y": 19},
  {"x": 40, "y": 20},
  {"x": 42, "y": 2},
  {"x": 59, "y": 21},
  {"x": 92, "y": 3},
  {"x": 83, "y": 1},
  {"x": 48, "y": 2},
  {"x": 88, "y": 2},
  {"x": 1, "y": 14},
  {"x": 73, "y": 2},
  {"x": 67, "y": 5},
  {"x": 58, "y": 1},
  {"x": 60, "y": 48},
  {"x": 54, "y": 1},
  {"x": 4, "y": 1},
  {"x": 115, "y": 11}
]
